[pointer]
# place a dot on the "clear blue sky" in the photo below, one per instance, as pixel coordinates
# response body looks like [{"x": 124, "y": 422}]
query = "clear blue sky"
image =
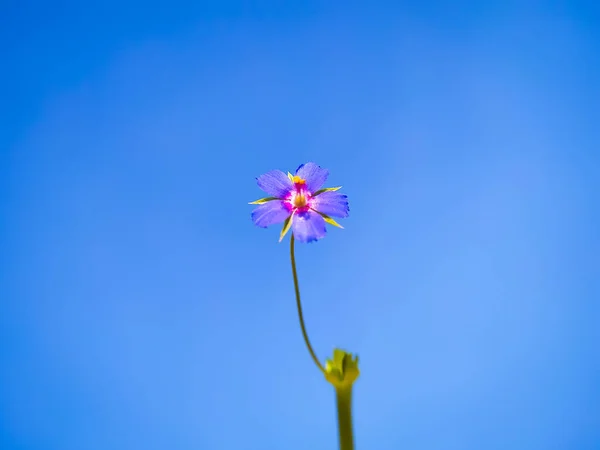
[{"x": 140, "y": 308}]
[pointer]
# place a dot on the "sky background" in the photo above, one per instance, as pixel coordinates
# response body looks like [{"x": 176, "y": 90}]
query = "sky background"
[{"x": 140, "y": 308}]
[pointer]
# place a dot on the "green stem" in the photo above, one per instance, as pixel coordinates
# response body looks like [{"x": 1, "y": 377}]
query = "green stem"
[
  {"x": 299, "y": 305},
  {"x": 344, "y": 409}
]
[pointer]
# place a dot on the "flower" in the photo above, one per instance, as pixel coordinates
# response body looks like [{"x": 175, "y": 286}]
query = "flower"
[{"x": 300, "y": 202}]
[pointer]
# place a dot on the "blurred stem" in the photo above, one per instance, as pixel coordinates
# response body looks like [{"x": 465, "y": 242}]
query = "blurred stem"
[
  {"x": 299, "y": 305},
  {"x": 344, "y": 408}
]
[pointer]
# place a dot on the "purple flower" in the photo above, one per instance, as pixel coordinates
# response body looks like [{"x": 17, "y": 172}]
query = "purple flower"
[{"x": 300, "y": 202}]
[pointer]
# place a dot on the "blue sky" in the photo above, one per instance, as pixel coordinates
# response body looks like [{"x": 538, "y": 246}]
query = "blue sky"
[{"x": 141, "y": 309}]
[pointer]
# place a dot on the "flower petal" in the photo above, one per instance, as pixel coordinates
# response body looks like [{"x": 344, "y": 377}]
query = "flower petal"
[
  {"x": 308, "y": 226},
  {"x": 331, "y": 203},
  {"x": 275, "y": 183},
  {"x": 315, "y": 176},
  {"x": 270, "y": 213}
]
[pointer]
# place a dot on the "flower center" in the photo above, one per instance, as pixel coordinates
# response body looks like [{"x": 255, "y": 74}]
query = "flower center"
[{"x": 299, "y": 200}]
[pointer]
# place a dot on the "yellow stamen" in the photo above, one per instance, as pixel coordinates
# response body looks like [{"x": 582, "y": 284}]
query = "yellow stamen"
[
  {"x": 296, "y": 179},
  {"x": 299, "y": 200}
]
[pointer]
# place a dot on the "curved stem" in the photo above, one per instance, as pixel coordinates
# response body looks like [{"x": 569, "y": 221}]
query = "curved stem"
[{"x": 300, "y": 316}]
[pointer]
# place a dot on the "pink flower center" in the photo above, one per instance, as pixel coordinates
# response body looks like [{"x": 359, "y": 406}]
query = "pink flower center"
[{"x": 299, "y": 199}]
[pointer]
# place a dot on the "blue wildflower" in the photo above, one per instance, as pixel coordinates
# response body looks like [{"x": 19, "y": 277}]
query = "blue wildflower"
[{"x": 300, "y": 202}]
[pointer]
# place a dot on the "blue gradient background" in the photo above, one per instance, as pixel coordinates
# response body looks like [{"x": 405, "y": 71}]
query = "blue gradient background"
[{"x": 141, "y": 309}]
